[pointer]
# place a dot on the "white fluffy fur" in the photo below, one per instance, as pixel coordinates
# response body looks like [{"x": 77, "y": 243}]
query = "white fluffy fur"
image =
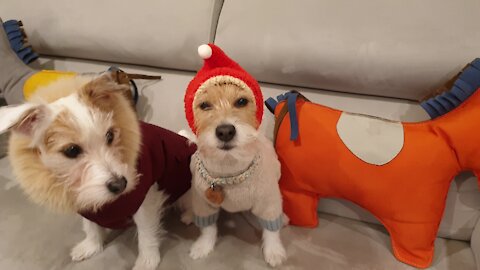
[
  {"x": 92, "y": 244},
  {"x": 205, "y": 243},
  {"x": 92, "y": 194},
  {"x": 148, "y": 221},
  {"x": 273, "y": 250}
]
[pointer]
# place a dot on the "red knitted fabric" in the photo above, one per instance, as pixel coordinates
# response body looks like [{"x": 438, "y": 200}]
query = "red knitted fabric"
[{"x": 219, "y": 64}]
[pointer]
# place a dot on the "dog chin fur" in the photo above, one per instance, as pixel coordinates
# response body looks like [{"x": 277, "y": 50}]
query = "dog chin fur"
[{"x": 243, "y": 149}]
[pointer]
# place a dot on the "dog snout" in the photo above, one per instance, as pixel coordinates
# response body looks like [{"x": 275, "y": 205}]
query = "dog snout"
[
  {"x": 225, "y": 133},
  {"x": 117, "y": 185}
]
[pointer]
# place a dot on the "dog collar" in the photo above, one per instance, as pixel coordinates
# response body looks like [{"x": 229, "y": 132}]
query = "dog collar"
[{"x": 229, "y": 180}]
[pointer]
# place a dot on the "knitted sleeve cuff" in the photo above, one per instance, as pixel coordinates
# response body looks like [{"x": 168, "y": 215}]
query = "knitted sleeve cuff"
[
  {"x": 272, "y": 225},
  {"x": 205, "y": 221}
]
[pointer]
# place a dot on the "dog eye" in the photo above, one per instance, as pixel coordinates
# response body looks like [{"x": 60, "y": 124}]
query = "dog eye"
[
  {"x": 241, "y": 102},
  {"x": 72, "y": 151},
  {"x": 205, "y": 106},
  {"x": 109, "y": 136}
]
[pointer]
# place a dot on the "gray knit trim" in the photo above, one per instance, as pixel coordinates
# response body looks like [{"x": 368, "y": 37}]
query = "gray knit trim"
[
  {"x": 205, "y": 221},
  {"x": 272, "y": 225}
]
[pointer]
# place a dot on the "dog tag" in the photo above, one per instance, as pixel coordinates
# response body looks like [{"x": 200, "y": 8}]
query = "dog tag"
[{"x": 215, "y": 194}]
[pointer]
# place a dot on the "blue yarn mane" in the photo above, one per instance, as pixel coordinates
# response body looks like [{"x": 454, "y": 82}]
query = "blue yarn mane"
[
  {"x": 16, "y": 36},
  {"x": 467, "y": 83}
]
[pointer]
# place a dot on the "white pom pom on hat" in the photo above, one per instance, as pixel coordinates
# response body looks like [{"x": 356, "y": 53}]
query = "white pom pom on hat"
[{"x": 204, "y": 51}]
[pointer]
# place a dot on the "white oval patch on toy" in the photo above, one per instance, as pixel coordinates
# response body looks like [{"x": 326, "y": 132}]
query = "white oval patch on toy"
[{"x": 373, "y": 140}]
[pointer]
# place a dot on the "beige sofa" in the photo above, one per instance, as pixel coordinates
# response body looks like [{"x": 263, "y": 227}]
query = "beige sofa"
[{"x": 374, "y": 57}]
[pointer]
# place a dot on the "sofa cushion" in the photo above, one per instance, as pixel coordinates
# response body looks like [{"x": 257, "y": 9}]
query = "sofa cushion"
[
  {"x": 403, "y": 49},
  {"x": 159, "y": 33},
  {"x": 338, "y": 243}
]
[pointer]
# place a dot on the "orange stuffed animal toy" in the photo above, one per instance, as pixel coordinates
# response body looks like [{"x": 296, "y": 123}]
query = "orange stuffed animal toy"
[{"x": 400, "y": 172}]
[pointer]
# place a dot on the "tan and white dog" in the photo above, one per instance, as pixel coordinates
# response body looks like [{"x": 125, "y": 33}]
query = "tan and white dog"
[
  {"x": 77, "y": 146},
  {"x": 235, "y": 167}
]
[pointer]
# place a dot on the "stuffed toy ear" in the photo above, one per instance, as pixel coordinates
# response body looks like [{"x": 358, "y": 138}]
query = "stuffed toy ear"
[{"x": 25, "y": 118}]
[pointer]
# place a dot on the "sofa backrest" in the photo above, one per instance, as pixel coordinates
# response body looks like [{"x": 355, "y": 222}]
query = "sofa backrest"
[
  {"x": 160, "y": 33},
  {"x": 403, "y": 49},
  {"x": 400, "y": 49}
]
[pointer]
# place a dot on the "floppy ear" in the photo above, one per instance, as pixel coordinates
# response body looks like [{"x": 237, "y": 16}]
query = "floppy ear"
[
  {"x": 25, "y": 118},
  {"x": 101, "y": 90}
]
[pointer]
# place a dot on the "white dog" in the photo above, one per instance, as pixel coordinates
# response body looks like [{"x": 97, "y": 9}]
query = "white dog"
[
  {"x": 235, "y": 167},
  {"x": 77, "y": 146}
]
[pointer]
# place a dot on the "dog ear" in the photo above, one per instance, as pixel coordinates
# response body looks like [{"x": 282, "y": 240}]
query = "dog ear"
[
  {"x": 25, "y": 118},
  {"x": 101, "y": 90}
]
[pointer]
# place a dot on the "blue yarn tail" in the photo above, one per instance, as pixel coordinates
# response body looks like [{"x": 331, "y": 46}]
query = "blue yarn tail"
[{"x": 466, "y": 84}]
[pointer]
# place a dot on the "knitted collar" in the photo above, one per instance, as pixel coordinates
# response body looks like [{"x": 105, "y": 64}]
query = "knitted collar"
[{"x": 229, "y": 180}]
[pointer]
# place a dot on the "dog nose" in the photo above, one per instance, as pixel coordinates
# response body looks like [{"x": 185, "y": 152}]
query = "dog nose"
[
  {"x": 225, "y": 133},
  {"x": 117, "y": 185}
]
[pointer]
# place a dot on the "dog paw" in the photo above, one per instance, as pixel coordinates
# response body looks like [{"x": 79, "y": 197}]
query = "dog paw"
[
  {"x": 147, "y": 261},
  {"x": 274, "y": 255},
  {"x": 201, "y": 248},
  {"x": 85, "y": 249}
]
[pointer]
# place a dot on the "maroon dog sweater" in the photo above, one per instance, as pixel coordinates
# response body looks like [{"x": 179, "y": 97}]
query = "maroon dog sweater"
[{"x": 165, "y": 159}]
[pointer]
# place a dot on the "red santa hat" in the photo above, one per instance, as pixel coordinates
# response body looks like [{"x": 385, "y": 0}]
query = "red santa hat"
[{"x": 219, "y": 68}]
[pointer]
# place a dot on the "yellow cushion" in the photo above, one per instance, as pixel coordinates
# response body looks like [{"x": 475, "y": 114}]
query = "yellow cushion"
[{"x": 43, "y": 78}]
